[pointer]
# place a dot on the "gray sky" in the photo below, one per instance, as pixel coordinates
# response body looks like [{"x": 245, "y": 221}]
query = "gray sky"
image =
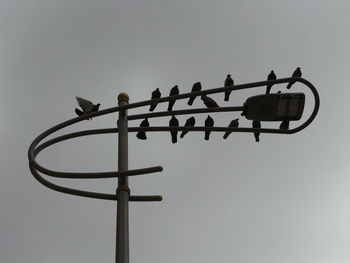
[{"x": 285, "y": 199}]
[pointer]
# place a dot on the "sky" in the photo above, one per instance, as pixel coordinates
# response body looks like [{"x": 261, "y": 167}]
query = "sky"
[{"x": 285, "y": 199}]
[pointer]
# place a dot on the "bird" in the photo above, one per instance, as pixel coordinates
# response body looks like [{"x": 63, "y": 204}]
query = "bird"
[
  {"x": 284, "y": 125},
  {"x": 228, "y": 83},
  {"x": 256, "y": 125},
  {"x": 86, "y": 105},
  {"x": 209, "y": 102},
  {"x": 190, "y": 122},
  {"x": 173, "y": 123},
  {"x": 173, "y": 92},
  {"x": 195, "y": 88},
  {"x": 296, "y": 74},
  {"x": 155, "y": 95},
  {"x": 233, "y": 124},
  {"x": 142, "y": 134},
  {"x": 271, "y": 76},
  {"x": 209, "y": 122}
]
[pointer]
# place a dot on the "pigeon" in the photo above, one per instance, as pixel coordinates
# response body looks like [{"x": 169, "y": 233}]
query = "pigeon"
[
  {"x": 86, "y": 105},
  {"x": 256, "y": 125},
  {"x": 209, "y": 102},
  {"x": 233, "y": 124},
  {"x": 155, "y": 95},
  {"x": 173, "y": 123},
  {"x": 195, "y": 88},
  {"x": 284, "y": 125},
  {"x": 209, "y": 122},
  {"x": 228, "y": 83},
  {"x": 173, "y": 92},
  {"x": 142, "y": 134},
  {"x": 190, "y": 122},
  {"x": 296, "y": 74},
  {"x": 271, "y": 76}
]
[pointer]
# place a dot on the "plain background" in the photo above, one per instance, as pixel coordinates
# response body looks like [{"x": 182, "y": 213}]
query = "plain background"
[{"x": 283, "y": 200}]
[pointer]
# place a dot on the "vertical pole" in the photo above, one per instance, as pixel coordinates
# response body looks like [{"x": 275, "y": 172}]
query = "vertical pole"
[{"x": 123, "y": 192}]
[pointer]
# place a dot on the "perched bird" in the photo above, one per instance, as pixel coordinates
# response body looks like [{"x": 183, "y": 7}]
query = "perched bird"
[
  {"x": 209, "y": 102},
  {"x": 284, "y": 125},
  {"x": 86, "y": 105},
  {"x": 195, "y": 88},
  {"x": 296, "y": 74},
  {"x": 173, "y": 92},
  {"x": 173, "y": 123},
  {"x": 233, "y": 124},
  {"x": 155, "y": 95},
  {"x": 209, "y": 122},
  {"x": 228, "y": 83},
  {"x": 256, "y": 125},
  {"x": 142, "y": 134},
  {"x": 271, "y": 76},
  {"x": 190, "y": 122}
]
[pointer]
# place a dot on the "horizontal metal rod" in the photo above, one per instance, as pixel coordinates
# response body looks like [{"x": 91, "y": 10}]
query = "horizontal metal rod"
[
  {"x": 145, "y": 198},
  {"x": 182, "y": 112}
]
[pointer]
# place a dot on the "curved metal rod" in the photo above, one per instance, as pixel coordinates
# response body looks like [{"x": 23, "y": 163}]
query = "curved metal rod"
[
  {"x": 33, "y": 151},
  {"x": 62, "y": 189},
  {"x": 97, "y": 175}
]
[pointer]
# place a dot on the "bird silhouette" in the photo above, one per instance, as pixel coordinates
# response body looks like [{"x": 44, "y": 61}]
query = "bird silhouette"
[
  {"x": 142, "y": 134},
  {"x": 271, "y": 76},
  {"x": 155, "y": 95},
  {"x": 256, "y": 125},
  {"x": 195, "y": 88},
  {"x": 190, "y": 122},
  {"x": 173, "y": 123},
  {"x": 296, "y": 74},
  {"x": 209, "y": 122},
  {"x": 228, "y": 83},
  {"x": 209, "y": 102},
  {"x": 173, "y": 92},
  {"x": 86, "y": 106},
  {"x": 284, "y": 125},
  {"x": 233, "y": 124}
]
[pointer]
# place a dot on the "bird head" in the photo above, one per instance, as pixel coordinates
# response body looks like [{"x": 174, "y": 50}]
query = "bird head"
[{"x": 228, "y": 75}]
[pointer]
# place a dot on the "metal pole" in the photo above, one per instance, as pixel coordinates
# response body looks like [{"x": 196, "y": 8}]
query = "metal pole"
[{"x": 123, "y": 192}]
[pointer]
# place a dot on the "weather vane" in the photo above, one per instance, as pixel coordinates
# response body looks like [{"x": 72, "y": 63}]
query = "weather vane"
[{"x": 265, "y": 107}]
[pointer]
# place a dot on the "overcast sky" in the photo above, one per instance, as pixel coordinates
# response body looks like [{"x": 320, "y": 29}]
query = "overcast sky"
[{"x": 283, "y": 200}]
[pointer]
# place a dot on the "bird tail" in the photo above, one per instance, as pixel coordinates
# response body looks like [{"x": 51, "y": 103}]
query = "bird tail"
[
  {"x": 226, "y": 135},
  {"x": 268, "y": 88},
  {"x": 183, "y": 134},
  {"x": 171, "y": 104},
  {"x": 191, "y": 100},
  {"x": 152, "y": 107},
  {"x": 206, "y": 137},
  {"x": 256, "y": 137},
  {"x": 227, "y": 95},
  {"x": 78, "y": 112},
  {"x": 174, "y": 138},
  {"x": 289, "y": 85}
]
